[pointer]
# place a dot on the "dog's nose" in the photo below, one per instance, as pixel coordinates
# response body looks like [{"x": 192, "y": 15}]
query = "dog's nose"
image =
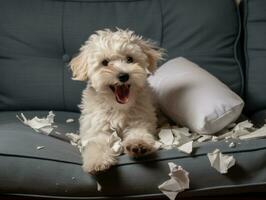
[{"x": 123, "y": 77}]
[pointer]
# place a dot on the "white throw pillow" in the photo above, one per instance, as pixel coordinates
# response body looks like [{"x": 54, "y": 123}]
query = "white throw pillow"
[{"x": 194, "y": 98}]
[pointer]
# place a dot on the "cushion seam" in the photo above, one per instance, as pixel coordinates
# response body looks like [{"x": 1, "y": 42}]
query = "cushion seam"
[
  {"x": 39, "y": 158},
  {"x": 162, "y": 22},
  {"x": 64, "y": 51},
  {"x": 232, "y": 109},
  {"x": 134, "y": 196},
  {"x": 129, "y": 163},
  {"x": 245, "y": 4},
  {"x": 235, "y": 49}
]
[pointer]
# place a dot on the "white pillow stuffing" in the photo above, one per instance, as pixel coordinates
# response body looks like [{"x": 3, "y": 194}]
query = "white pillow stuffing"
[{"x": 194, "y": 98}]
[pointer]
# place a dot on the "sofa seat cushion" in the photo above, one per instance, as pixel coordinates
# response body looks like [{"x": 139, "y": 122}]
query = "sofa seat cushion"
[
  {"x": 55, "y": 170},
  {"x": 20, "y": 140}
]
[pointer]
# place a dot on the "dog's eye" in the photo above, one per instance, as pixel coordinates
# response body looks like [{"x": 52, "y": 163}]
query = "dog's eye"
[
  {"x": 105, "y": 62},
  {"x": 129, "y": 59}
]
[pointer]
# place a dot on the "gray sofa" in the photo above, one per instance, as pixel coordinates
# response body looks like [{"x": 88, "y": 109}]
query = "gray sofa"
[{"x": 39, "y": 37}]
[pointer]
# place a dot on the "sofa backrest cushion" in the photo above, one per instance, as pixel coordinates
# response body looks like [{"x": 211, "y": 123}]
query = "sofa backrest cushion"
[
  {"x": 39, "y": 37},
  {"x": 254, "y": 23}
]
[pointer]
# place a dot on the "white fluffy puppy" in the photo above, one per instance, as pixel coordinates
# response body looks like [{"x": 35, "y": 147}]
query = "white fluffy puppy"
[{"x": 117, "y": 96}]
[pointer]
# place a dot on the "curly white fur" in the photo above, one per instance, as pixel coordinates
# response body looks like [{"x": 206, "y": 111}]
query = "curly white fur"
[{"x": 101, "y": 112}]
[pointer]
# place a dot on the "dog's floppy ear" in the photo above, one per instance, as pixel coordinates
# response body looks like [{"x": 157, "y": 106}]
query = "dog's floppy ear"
[
  {"x": 153, "y": 53},
  {"x": 79, "y": 67}
]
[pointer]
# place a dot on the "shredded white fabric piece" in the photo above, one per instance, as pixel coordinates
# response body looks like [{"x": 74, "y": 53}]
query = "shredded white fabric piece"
[
  {"x": 115, "y": 143},
  {"x": 178, "y": 182},
  {"x": 75, "y": 138},
  {"x": 75, "y": 141},
  {"x": 166, "y": 137},
  {"x": 204, "y": 138},
  {"x": 40, "y": 147},
  {"x": 99, "y": 187},
  {"x": 176, "y": 137},
  {"x": 220, "y": 161},
  {"x": 232, "y": 145},
  {"x": 242, "y": 128},
  {"x": 70, "y": 120},
  {"x": 180, "y": 138},
  {"x": 47, "y": 130},
  {"x": 183, "y": 130},
  {"x": 44, "y": 125},
  {"x": 187, "y": 147},
  {"x": 215, "y": 138},
  {"x": 259, "y": 133}
]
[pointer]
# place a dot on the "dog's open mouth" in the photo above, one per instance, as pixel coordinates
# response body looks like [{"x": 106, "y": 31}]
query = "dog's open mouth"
[{"x": 121, "y": 92}]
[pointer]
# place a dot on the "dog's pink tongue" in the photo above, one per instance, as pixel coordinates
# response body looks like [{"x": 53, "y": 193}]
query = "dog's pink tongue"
[{"x": 122, "y": 93}]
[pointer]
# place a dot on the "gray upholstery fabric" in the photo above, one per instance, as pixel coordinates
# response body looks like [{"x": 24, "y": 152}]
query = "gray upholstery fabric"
[
  {"x": 25, "y": 140},
  {"x": 39, "y": 37},
  {"x": 206, "y": 33},
  {"x": 50, "y": 171},
  {"x": 254, "y": 23},
  {"x": 259, "y": 118}
]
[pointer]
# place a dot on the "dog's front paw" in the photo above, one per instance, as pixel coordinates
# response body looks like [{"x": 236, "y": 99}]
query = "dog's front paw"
[
  {"x": 95, "y": 166},
  {"x": 98, "y": 162},
  {"x": 139, "y": 147}
]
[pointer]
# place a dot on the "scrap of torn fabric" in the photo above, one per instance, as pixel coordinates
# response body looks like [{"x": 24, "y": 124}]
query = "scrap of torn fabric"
[
  {"x": 178, "y": 182},
  {"x": 259, "y": 133},
  {"x": 176, "y": 137},
  {"x": 114, "y": 141},
  {"x": 43, "y": 125},
  {"x": 70, "y": 120},
  {"x": 221, "y": 162},
  {"x": 240, "y": 129},
  {"x": 244, "y": 130},
  {"x": 182, "y": 139}
]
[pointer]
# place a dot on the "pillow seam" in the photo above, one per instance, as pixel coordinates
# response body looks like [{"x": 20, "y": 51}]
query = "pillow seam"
[{"x": 221, "y": 116}]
